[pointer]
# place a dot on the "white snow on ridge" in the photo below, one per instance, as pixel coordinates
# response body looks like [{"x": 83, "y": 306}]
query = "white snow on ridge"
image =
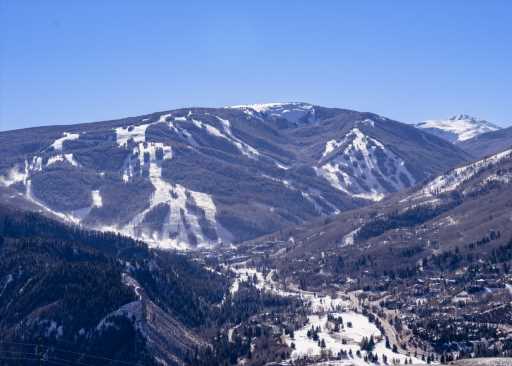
[
  {"x": 462, "y": 126},
  {"x": 293, "y": 112},
  {"x": 262, "y": 107},
  {"x": 66, "y": 136},
  {"x": 164, "y": 117},
  {"x": 369, "y": 122},
  {"x": 454, "y": 178},
  {"x": 355, "y": 170}
]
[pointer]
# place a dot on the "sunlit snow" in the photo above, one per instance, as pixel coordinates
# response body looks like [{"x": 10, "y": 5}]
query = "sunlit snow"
[
  {"x": 293, "y": 112},
  {"x": 353, "y": 167},
  {"x": 462, "y": 126},
  {"x": 66, "y": 136},
  {"x": 454, "y": 178}
]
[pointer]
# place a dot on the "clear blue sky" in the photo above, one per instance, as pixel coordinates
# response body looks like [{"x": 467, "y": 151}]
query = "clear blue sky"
[{"x": 64, "y": 61}]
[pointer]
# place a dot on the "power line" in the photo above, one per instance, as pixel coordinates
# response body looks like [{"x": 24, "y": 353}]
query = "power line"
[
  {"x": 32, "y": 359},
  {"x": 41, "y": 358},
  {"x": 50, "y": 348}
]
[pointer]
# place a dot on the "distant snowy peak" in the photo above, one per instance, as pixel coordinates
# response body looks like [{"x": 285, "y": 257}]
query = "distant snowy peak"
[
  {"x": 458, "y": 128},
  {"x": 294, "y": 112}
]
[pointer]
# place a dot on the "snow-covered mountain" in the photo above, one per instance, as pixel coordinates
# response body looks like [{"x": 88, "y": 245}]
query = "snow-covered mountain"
[
  {"x": 199, "y": 177},
  {"x": 294, "y": 112},
  {"x": 463, "y": 208},
  {"x": 458, "y": 128}
]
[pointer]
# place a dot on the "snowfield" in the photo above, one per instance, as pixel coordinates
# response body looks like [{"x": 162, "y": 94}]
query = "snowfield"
[
  {"x": 66, "y": 136},
  {"x": 294, "y": 112},
  {"x": 462, "y": 126}
]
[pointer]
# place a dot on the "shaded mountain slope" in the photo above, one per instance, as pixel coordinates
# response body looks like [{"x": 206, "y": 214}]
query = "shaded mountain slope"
[{"x": 488, "y": 143}]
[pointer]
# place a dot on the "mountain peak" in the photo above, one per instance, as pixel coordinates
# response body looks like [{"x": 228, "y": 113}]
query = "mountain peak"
[
  {"x": 464, "y": 117},
  {"x": 294, "y": 112},
  {"x": 262, "y": 107},
  {"x": 459, "y": 127}
]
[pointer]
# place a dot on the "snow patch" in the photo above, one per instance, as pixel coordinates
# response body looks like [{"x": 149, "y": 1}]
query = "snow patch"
[
  {"x": 294, "y": 112},
  {"x": 135, "y": 133},
  {"x": 97, "y": 200},
  {"x": 62, "y": 158},
  {"x": 462, "y": 126},
  {"x": 349, "y": 239},
  {"x": 13, "y": 176},
  {"x": 282, "y": 166},
  {"x": 330, "y": 146},
  {"x": 19, "y": 174},
  {"x": 66, "y": 136}
]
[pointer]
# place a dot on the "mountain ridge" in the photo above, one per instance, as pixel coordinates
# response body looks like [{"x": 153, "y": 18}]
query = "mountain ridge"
[
  {"x": 458, "y": 128},
  {"x": 488, "y": 143},
  {"x": 454, "y": 209},
  {"x": 187, "y": 177}
]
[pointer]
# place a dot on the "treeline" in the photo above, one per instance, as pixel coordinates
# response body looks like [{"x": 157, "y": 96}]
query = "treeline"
[{"x": 16, "y": 224}]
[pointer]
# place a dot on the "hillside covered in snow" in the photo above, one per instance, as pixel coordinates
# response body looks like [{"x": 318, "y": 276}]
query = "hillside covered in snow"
[
  {"x": 458, "y": 128},
  {"x": 202, "y": 177}
]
